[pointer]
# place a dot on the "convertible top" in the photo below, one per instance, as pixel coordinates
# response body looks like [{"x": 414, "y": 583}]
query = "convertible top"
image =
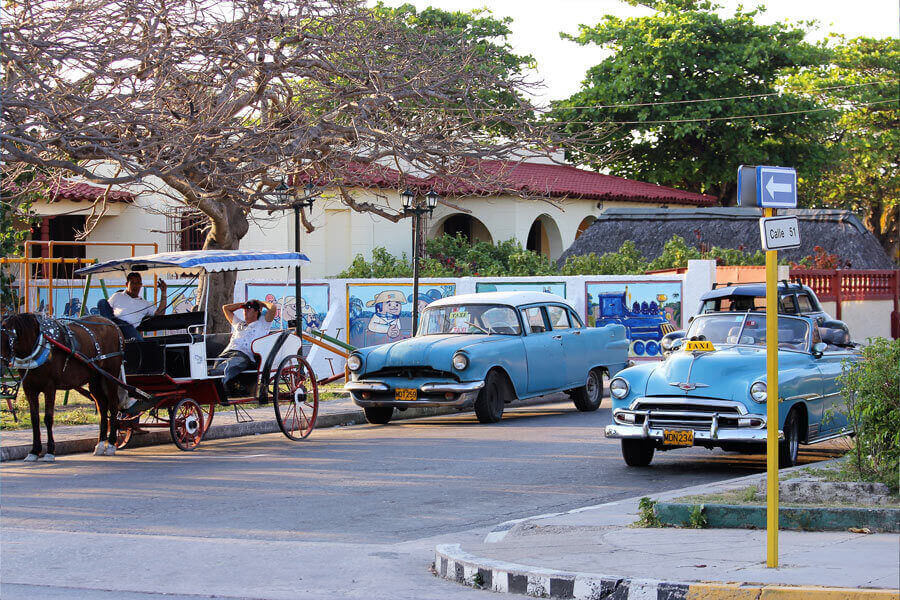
[{"x": 198, "y": 261}]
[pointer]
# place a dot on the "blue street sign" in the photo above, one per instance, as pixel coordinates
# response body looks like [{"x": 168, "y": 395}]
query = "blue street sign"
[{"x": 776, "y": 187}]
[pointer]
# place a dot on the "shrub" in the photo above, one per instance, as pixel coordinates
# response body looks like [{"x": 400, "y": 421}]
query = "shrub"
[
  {"x": 872, "y": 390},
  {"x": 628, "y": 260}
]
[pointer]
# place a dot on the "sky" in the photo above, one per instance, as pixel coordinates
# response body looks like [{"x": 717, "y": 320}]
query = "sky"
[{"x": 562, "y": 64}]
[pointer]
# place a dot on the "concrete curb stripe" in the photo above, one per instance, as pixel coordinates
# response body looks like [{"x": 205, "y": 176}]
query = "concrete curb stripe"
[{"x": 454, "y": 564}]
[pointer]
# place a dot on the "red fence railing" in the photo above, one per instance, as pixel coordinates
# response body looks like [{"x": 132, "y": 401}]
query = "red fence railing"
[{"x": 838, "y": 285}]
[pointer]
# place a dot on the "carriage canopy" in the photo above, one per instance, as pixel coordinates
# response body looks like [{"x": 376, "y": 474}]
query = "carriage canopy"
[{"x": 197, "y": 262}]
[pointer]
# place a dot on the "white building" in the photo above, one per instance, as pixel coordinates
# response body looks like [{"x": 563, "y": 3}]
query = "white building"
[{"x": 543, "y": 206}]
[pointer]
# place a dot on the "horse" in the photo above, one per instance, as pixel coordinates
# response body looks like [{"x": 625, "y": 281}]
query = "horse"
[{"x": 45, "y": 367}]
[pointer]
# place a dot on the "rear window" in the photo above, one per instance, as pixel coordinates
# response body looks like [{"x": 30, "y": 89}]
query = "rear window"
[{"x": 804, "y": 303}]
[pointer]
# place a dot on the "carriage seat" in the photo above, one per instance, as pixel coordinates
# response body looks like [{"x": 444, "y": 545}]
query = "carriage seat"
[{"x": 173, "y": 321}]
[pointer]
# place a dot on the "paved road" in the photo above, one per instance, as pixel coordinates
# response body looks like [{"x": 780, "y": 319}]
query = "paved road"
[{"x": 353, "y": 512}]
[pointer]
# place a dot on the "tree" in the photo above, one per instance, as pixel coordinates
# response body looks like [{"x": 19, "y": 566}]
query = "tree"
[
  {"x": 860, "y": 83},
  {"x": 685, "y": 52},
  {"x": 220, "y": 101}
]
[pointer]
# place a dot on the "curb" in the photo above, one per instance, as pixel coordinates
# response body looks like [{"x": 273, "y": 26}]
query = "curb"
[
  {"x": 159, "y": 437},
  {"x": 454, "y": 564},
  {"x": 730, "y": 516}
]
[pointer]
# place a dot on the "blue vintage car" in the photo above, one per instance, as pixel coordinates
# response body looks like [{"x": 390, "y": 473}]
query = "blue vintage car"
[
  {"x": 711, "y": 390},
  {"x": 486, "y": 350}
]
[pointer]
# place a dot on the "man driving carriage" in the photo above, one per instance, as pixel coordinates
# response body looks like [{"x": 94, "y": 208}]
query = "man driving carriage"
[
  {"x": 237, "y": 355},
  {"x": 127, "y": 309}
]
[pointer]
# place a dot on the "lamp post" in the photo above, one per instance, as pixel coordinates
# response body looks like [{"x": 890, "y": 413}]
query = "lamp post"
[
  {"x": 412, "y": 206},
  {"x": 284, "y": 195}
]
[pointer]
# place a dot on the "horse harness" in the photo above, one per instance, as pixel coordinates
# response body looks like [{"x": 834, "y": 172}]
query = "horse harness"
[{"x": 55, "y": 333}]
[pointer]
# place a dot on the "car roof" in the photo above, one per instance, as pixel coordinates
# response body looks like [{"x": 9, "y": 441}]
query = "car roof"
[
  {"x": 507, "y": 298},
  {"x": 757, "y": 290}
]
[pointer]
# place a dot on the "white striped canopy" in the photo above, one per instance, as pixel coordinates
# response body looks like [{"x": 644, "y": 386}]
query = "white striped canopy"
[{"x": 196, "y": 262}]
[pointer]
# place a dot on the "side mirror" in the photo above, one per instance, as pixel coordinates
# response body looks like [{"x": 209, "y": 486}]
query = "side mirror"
[{"x": 818, "y": 349}]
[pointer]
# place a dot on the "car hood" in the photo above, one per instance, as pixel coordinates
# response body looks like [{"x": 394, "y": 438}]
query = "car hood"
[
  {"x": 434, "y": 351},
  {"x": 726, "y": 373}
]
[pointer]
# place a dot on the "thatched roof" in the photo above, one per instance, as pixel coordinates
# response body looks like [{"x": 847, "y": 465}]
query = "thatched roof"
[{"x": 837, "y": 231}]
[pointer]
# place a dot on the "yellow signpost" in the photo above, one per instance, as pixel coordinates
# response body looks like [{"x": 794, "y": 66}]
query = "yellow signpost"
[
  {"x": 770, "y": 188},
  {"x": 772, "y": 403}
]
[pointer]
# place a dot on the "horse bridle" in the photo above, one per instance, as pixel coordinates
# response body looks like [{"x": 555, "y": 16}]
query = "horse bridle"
[{"x": 35, "y": 358}]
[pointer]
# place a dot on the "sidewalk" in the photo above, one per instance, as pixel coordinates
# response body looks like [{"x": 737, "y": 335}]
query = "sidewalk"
[
  {"x": 593, "y": 553},
  {"x": 73, "y": 439}
]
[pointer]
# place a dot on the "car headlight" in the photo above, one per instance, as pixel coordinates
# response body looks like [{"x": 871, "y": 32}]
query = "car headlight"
[
  {"x": 758, "y": 391},
  {"x": 618, "y": 388},
  {"x": 460, "y": 361},
  {"x": 354, "y": 363}
]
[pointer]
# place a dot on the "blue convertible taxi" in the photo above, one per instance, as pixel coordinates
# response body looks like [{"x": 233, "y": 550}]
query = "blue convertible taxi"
[
  {"x": 486, "y": 350},
  {"x": 711, "y": 390}
]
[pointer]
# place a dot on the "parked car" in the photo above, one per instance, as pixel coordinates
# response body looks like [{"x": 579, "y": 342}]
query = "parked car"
[
  {"x": 712, "y": 392},
  {"x": 486, "y": 350},
  {"x": 793, "y": 299}
]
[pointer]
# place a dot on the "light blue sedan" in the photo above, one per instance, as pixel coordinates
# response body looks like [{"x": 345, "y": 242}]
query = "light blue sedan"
[
  {"x": 711, "y": 390},
  {"x": 486, "y": 350}
]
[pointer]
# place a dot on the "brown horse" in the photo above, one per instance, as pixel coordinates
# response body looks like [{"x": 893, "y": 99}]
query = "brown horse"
[{"x": 45, "y": 368}]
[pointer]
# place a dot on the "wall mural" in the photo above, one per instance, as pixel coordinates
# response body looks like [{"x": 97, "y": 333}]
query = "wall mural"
[
  {"x": 553, "y": 287},
  {"x": 182, "y": 297},
  {"x": 378, "y": 313},
  {"x": 313, "y": 302},
  {"x": 647, "y": 309}
]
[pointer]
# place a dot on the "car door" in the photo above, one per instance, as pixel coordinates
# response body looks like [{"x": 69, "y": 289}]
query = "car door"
[
  {"x": 830, "y": 365},
  {"x": 575, "y": 357},
  {"x": 543, "y": 352}
]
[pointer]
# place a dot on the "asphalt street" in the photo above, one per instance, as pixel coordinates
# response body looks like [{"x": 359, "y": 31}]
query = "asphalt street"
[{"x": 353, "y": 512}]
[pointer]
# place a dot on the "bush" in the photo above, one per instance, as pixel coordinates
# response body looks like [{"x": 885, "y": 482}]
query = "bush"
[
  {"x": 872, "y": 390},
  {"x": 628, "y": 260},
  {"x": 383, "y": 264}
]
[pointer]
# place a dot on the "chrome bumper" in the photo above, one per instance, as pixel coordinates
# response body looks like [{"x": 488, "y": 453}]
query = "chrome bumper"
[
  {"x": 713, "y": 436},
  {"x": 465, "y": 394}
]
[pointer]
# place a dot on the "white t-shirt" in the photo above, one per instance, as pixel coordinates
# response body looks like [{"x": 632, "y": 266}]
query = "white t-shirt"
[
  {"x": 243, "y": 334},
  {"x": 130, "y": 310}
]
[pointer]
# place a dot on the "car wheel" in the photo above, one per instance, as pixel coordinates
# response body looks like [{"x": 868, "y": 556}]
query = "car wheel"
[
  {"x": 379, "y": 415},
  {"x": 589, "y": 397},
  {"x": 789, "y": 447},
  {"x": 637, "y": 453},
  {"x": 491, "y": 399}
]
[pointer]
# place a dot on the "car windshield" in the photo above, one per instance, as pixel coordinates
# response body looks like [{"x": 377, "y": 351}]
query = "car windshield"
[
  {"x": 469, "y": 318},
  {"x": 748, "y": 329}
]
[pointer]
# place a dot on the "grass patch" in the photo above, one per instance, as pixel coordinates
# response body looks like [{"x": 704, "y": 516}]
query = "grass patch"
[
  {"x": 647, "y": 514},
  {"x": 78, "y": 411}
]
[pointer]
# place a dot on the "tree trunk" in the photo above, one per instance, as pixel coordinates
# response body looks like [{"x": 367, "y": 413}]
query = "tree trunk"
[{"x": 228, "y": 226}]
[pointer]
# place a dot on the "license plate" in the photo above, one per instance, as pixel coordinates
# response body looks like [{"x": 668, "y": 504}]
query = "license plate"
[
  {"x": 405, "y": 394},
  {"x": 678, "y": 437}
]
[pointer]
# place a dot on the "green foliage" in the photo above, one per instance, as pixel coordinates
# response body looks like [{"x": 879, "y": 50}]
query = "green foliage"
[
  {"x": 647, "y": 514},
  {"x": 383, "y": 264},
  {"x": 698, "y": 517},
  {"x": 863, "y": 173},
  {"x": 687, "y": 51},
  {"x": 872, "y": 390},
  {"x": 626, "y": 261}
]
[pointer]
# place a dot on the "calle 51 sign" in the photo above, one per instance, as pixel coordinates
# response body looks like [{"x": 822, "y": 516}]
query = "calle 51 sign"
[{"x": 779, "y": 233}]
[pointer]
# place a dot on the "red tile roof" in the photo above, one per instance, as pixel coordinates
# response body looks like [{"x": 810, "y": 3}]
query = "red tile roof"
[
  {"x": 84, "y": 192},
  {"x": 492, "y": 178}
]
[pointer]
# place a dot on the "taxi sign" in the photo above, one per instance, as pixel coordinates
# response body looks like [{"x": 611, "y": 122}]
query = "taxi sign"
[{"x": 698, "y": 346}]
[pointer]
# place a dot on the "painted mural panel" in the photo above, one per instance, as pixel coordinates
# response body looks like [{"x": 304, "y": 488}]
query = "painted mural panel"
[
  {"x": 67, "y": 300},
  {"x": 378, "y": 313},
  {"x": 647, "y": 309},
  {"x": 551, "y": 287},
  {"x": 314, "y": 299}
]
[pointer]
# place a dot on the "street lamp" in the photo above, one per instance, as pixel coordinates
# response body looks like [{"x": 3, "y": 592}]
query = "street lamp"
[
  {"x": 284, "y": 196},
  {"x": 411, "y": 206}
]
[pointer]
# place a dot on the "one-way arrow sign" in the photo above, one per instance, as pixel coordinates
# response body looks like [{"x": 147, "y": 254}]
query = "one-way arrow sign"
[{"x": 776, "y": 187}]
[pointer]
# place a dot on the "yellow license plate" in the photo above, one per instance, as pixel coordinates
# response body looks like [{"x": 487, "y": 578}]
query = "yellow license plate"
[
  {"x": 405, "y": 394},
  {"x": 699, "y": 346},
  {"x": 678, "y": 437}
]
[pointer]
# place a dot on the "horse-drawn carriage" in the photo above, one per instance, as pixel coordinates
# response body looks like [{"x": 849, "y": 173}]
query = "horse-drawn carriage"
[{"x": 170, "y": 371}]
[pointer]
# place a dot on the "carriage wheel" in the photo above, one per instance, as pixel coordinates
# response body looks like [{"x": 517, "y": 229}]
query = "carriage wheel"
[
  {"x": 209, "y": 410},
  {"x": 123, "y": 436},
  {"x": 186, "y": 424},
  {"x": 296, "y": 397}
]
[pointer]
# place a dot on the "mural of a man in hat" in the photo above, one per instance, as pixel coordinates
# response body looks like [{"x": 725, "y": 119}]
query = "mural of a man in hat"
[
  {"x": 386, "y": 320},
  {"x": 426, "y": 298},
  {"x": 310, "y": 317}
]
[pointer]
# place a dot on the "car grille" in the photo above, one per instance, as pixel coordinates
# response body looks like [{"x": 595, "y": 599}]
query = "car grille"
[
  {"x": 412, "y": 373},
  {"x": 683, "y": 413}
]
